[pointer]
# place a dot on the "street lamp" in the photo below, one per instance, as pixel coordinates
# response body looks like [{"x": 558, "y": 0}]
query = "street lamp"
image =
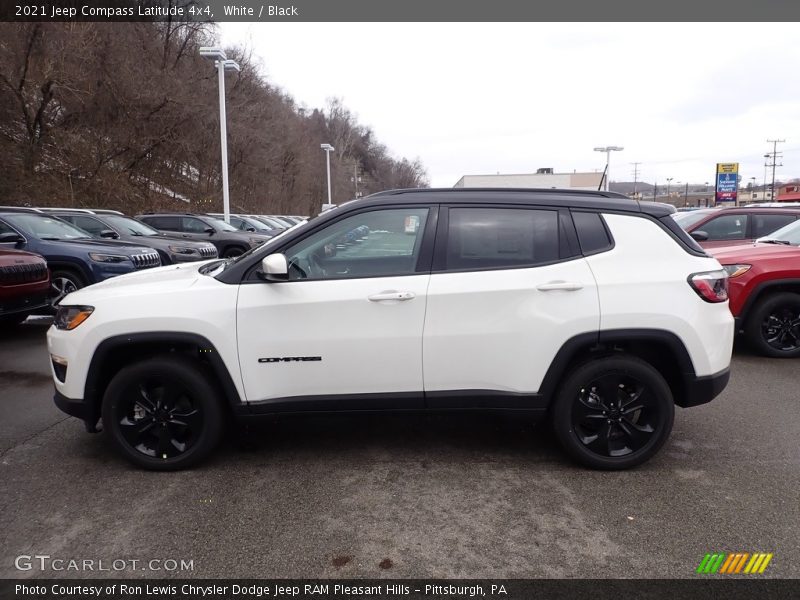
[
  {"x": 223, "y": 64},
  {"x": 608, "y": 150},
  {"x": 328, "y": 149},
  {"x": 669, "y": 180}
]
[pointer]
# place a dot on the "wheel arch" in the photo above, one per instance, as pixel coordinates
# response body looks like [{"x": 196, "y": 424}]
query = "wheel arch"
[
  {"x": 660, "y": 348},
  {"x": 68, "y": 265},
  {"x": 762, "y": 290},
  {"x": 115, "y": 352}
]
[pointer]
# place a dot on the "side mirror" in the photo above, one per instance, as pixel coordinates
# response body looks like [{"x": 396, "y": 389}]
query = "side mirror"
[
  {"x": 109, "y": 234},
  {"x": 699, "y": 236},
  {"x": 209, "y": 230},
  {"x": 250, "y": 229},
  {"x": 10, "y": 237},
  {"x": 274, "y": 268}
]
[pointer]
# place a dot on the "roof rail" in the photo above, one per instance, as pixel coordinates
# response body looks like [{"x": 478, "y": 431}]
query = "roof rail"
[
  {"x": 570, "y": 191},
  {"x": 19, "y": 209}
]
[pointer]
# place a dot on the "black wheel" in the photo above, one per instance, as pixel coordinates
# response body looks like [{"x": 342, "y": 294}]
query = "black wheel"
[
  {"x": 613, "y": 413},
  {"x": 773, "y": 327},
  {"x": 11, "y": 321},
  {"x": 162, "y": 413},
  {"x": 63, "y": 282},
  {"x": 233, "y": 252}
]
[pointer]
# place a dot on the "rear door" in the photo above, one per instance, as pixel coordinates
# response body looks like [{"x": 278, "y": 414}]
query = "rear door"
[{"x": 507, "y": 289}]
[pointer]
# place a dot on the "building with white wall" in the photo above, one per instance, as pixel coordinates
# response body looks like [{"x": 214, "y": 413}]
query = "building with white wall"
[{"x": 543, "y": 178}]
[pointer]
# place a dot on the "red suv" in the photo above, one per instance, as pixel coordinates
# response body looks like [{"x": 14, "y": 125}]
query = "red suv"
[
  {"x": 24, "y": 285},
  {"x": 764, "y": 290},
  {"x": 715, "y": 227}
]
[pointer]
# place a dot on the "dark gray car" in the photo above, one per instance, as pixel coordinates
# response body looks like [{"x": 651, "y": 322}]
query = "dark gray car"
[
  {"x": 229, "y": 241},
  {"x": 173, "y": 249}
]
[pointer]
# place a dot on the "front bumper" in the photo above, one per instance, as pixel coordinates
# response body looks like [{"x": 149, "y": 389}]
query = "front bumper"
[
  {"x": 703, "y": 389},
  {"x": 78, "y": 408}
]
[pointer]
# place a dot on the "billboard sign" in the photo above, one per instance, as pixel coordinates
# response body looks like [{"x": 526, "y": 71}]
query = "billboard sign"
[{"x": 727, "y": 183}]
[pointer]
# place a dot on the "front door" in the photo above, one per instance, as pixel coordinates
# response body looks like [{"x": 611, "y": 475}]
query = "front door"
[{"x": 347, "y": 326}]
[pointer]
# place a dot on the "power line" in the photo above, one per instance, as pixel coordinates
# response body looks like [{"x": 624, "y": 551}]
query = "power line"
[
  {"x": 635, "y": 176},
  {"x": 775, "y": 156}
]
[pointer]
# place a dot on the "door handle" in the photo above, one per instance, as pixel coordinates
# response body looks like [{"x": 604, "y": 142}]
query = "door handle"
[
  {"x": 567, "y": 286},
  {"x": 391, "y": 295}
]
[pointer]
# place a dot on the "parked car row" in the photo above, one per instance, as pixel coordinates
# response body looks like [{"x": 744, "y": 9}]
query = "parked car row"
[
  {"x": 80, "y": 247},
  {"x": 759, "y": 247}
]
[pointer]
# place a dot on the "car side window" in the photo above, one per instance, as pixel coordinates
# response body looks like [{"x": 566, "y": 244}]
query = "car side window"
[
  {"x": 725, "y": 227},
  {"x": 192, "y": 225},
  {"x": 378, "y": 243},
  {"x": 766, "y": 224},
  {"x": 592, "y": 234},
  {"x": 165, "y": 223},
  {"x": 4, "y": 228},
  {"x": 481, "y": 238},
  {"x": 89, "y": 224}
]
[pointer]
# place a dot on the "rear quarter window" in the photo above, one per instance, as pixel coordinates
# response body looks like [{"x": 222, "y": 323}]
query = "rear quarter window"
[{"x": 593, "y": 235}]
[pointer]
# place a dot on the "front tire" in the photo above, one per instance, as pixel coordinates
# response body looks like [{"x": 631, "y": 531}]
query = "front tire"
[
  {"x": 773, "y": 327},
  {"x": 163, "y": 414},
  {"x": 613, "y": 413},
  {"x": 63, "y": 282},
  {"x": 233, "y": 252}
]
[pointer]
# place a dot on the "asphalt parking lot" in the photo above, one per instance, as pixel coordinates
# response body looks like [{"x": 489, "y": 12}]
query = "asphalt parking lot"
[{"x": 404, "y": 496}]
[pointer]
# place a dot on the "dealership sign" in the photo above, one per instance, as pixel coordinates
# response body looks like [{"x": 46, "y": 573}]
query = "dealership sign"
[{"x": 727, "y": 182}]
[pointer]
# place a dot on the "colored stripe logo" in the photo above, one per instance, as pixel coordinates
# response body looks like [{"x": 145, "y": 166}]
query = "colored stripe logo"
[{"x": 734, "y": 563}]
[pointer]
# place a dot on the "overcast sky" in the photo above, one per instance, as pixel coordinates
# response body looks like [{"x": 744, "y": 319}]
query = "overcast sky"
[{"x": 512, "y": 97}]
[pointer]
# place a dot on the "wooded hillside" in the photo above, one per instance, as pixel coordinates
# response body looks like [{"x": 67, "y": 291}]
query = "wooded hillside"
[{"x": 126, "y": 116}]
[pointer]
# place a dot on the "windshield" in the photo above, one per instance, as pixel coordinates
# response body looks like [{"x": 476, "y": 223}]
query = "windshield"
[
  {"x": 789, "y": 234},
  {"x": 220, "y": 224},
  {"x": 255, "y": 223},
  {"x": 689, "y": 218},
  {"x": 129, "y": 225},
  {"x": 48, "y": 228}
]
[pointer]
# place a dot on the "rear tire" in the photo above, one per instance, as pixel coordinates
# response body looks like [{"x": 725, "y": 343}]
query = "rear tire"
[
  {"x": 613, "y": 413},
  {"x": 773, "y": 326},
  {"x": 163, "y": 414}
]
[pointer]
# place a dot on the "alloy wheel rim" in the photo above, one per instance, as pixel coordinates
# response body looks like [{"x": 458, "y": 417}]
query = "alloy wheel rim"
[
  {"x": 61, "y": 286},
  {"x": 159, "y": 419},
  {"x": 781, "y": 328},
  {"x": 615, "y": 415}
]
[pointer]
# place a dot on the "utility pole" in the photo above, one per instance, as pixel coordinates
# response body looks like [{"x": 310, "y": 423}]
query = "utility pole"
[
  {"x": 635, "y": 176},
  {"x": 655, "y": 190},
  {"x": 775, "y": 157}
]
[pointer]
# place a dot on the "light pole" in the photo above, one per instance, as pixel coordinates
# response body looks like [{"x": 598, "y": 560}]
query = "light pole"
[
  {"x": 608, "y": 150},
  {"x": 223, "y": 64},
  {"x": 669, "y": 180},
  {"x": 328, "y": 149}
]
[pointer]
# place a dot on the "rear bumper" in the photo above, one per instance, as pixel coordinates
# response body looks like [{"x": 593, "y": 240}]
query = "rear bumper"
[
  {"x": 78, "y": 408},
  {"x": 701, "y": 390}
]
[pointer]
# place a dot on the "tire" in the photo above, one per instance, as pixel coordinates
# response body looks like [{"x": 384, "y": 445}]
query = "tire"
[
  {"x": 11, "y": 321},
  {"x": 619, "y": 437},
  {"x": 63, "y": 282},
  {"x": 233, "y": 251},
  {"x": 776, "y": 318},
  {"x": 190, "y": 418}
]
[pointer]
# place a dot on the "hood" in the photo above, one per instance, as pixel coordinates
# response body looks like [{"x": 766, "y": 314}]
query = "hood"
[
  {"x": 158, "y": 280},
  {"x": 92, "y": 245},
  {"x": 745, "y": 252}
]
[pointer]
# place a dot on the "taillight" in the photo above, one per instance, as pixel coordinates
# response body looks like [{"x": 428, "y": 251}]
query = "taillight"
[{"x": 711, "y": 286}]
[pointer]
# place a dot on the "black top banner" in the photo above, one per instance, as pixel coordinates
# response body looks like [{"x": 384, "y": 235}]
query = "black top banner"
[{"x": 401, "y": 10}]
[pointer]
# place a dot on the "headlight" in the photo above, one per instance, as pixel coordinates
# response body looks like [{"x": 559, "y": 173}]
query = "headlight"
[
  {"x": 182, "y": 250},
  {"x": 256, "y": 241},
  {"x": 107, "y": 258},
  {"x": 736, "y": 270},
  {"x": 69, "y": 317}
]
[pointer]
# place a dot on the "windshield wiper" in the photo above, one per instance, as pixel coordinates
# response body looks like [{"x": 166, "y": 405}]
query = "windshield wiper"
[{"x": 774, "y": 241}]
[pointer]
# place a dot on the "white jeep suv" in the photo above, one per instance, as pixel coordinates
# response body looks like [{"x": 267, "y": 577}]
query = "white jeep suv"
[{"x": 590, "y": 307}]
